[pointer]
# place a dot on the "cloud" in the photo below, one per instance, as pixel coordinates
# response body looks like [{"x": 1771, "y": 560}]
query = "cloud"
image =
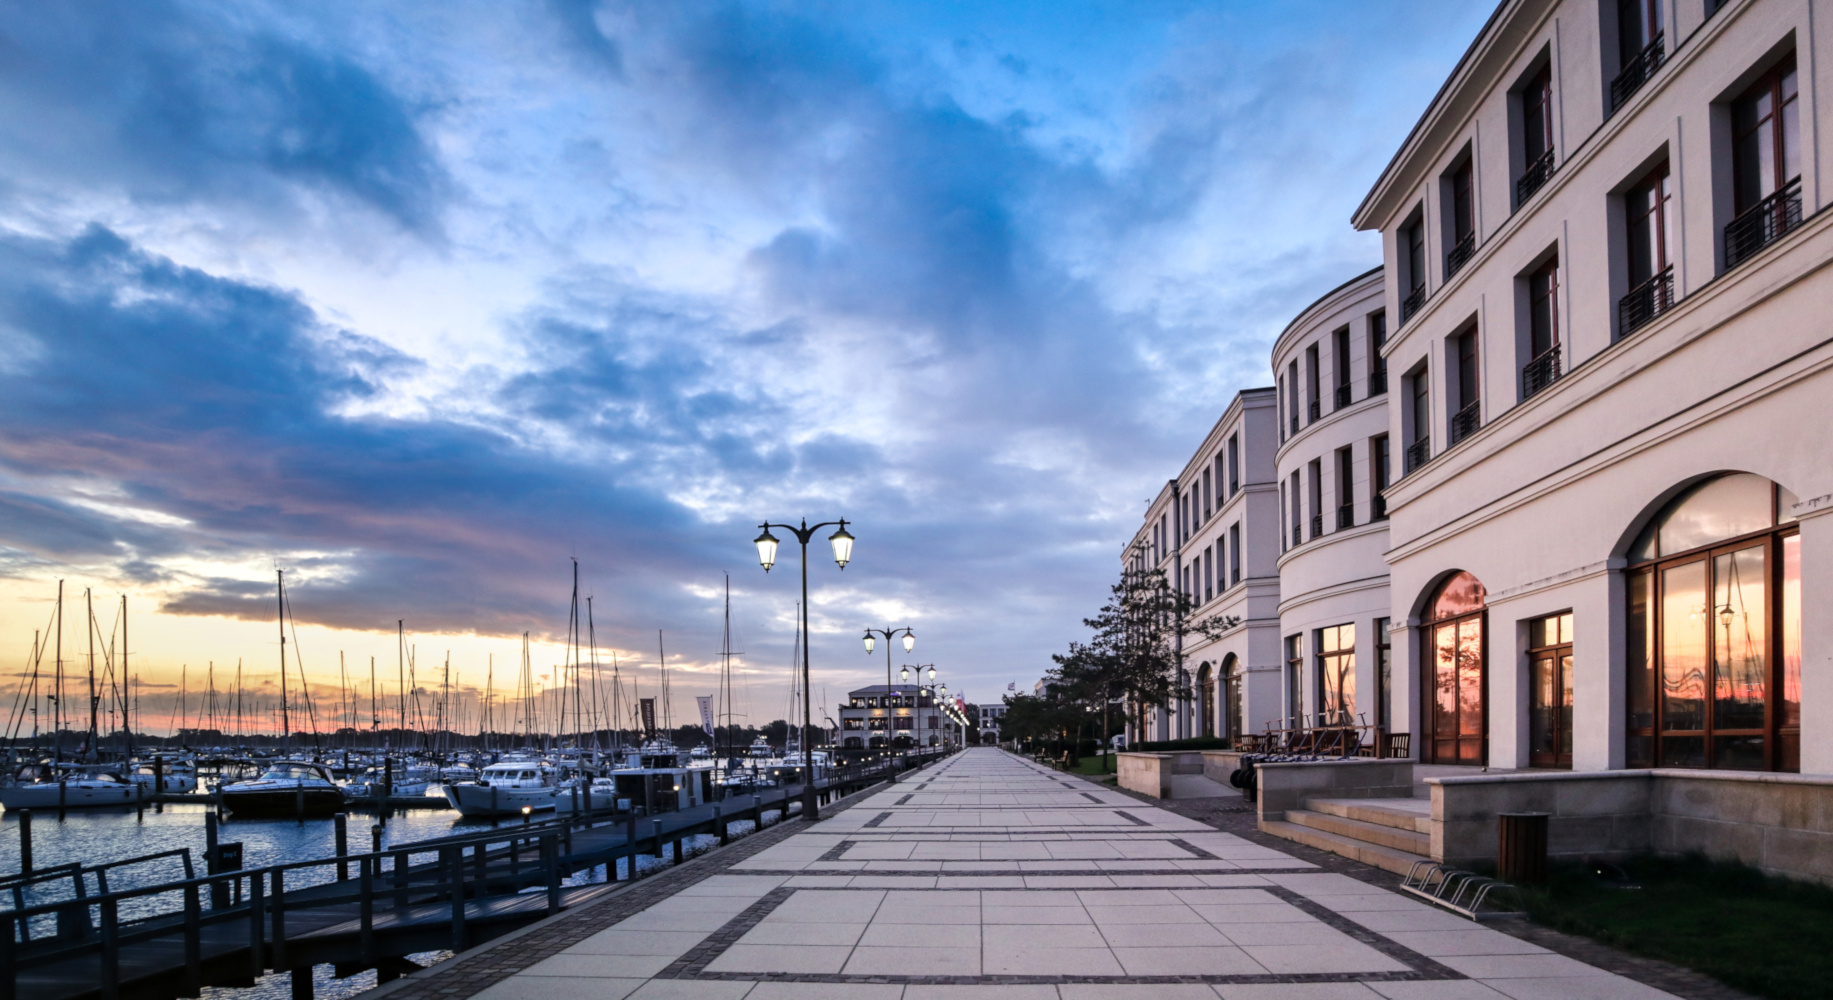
[{"x": 175, "y": 103}]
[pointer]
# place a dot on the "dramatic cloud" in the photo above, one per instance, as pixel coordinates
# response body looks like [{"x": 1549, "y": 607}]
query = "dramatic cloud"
[{"x": 420, "y": 304}]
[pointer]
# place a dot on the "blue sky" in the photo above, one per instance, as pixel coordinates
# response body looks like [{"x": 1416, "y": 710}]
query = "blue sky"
[{"x": 419, "y": 301}]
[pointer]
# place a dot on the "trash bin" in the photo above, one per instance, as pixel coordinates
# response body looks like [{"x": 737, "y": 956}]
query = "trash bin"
[{"x": 1521, "y": 848}]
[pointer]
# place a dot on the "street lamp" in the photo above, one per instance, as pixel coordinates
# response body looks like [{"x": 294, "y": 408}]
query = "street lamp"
[
  {"x": 872, "y": 637},
  {"x": 766, "y": 556}
]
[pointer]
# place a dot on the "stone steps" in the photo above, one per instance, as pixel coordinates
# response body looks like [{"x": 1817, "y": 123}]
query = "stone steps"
[
  {"x": 1381, "y": 856},
  {"x": 1401, "y": 814},
  {"x": 1410, "y": 841}
]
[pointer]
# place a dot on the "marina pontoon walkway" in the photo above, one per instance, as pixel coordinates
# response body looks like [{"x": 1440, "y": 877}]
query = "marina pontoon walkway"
[{"x": 989, "y": 876}]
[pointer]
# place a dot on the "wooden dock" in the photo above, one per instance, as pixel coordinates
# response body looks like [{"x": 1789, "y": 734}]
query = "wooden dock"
[{"x": 355, "y": 911}]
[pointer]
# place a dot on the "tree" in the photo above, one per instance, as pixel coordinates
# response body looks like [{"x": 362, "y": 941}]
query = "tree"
[{"x": 1136, "y": 652}]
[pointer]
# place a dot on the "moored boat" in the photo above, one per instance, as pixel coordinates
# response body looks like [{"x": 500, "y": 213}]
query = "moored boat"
[
  {"x": 506, "y": 789},
  {"x": 287, "y": 788}
]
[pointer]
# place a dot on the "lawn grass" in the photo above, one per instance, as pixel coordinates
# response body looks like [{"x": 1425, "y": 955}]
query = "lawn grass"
[
  {"x": 1767, "y": 935},
  {"x": 1094, "y": 765}
]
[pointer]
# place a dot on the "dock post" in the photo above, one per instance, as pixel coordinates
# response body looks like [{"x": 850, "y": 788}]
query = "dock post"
[
  {"x": 551, "y": 847},
  {"x": 194, "y": 946},
  {"x": 9, "y": 972},
  {"x": 456, "y": 866},
  {"x": 111, "y": 950},
  {"x": 375, "y": 838},
  {"x": 719, "y": 824},
  {"x": 25, "y": 841},
  {"x": 219, "y": 891},
  {"x": 302, "y": 982},
  {"x": 340, "y": 825},
  {"x": 656, "y": 836},
  {"x": 366, "y": 909},
  {"x": 257, "y": 926},
  {"x": 278, "y": 904}
]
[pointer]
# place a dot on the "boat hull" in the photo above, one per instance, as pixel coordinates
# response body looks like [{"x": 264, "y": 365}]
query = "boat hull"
[
  {"x": 489, "y": 800},
  {"x": 283, "y": 803},
  {"x": 46, "y": 795}
]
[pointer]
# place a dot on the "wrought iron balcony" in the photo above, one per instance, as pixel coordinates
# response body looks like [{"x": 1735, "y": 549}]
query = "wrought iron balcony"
[
  {"x": 1312, "y": 412},
  {"x": 1298, "y": 536},
  {"x": 1317, "y": 525},
  {"x": 1466, "y": 421},
  {"x": 1346, "y": 516},
  {"x": 1536, "y": 174},
  {"x": 1418, "y": 453},
  {"x": 1645, "y": 301},
  {"x": 1377, "y": 508},
  {"x": 1342, "y": 399},
  {"x": 1459, "y": 255},
  {"x": 1765, "y": 223},
  {"x": 1377, "y": 381},
  {"x": 1295, "y": 423},
  {"x": 1540, "y": 372},
  {"x": 1637, "y": 73},
  {"x": 1411, "y": 304}
]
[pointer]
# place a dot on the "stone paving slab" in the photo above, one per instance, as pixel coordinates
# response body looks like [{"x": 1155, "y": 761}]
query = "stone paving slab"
[{"x": 987, "y": 877}]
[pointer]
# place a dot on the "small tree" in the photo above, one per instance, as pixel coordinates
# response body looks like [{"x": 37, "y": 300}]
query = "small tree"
[{"x": 1136, "y": 652}]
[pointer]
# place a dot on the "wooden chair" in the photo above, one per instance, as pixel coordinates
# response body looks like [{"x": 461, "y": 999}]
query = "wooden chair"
[{"x": 1399, "y": 745}]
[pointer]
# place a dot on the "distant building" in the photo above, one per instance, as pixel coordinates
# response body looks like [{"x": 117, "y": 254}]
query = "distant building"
[
  {"x": 989, "y": 722},
  {"x": 899, "y": 712}
]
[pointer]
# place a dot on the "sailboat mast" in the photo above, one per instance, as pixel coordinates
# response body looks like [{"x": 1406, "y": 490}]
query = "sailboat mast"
[
  {"x": 94, "y": 700},
  {"x": 280, "y": 607},
  {"x": 57, "y": 682},
  {"x": 127, "y": 727}
]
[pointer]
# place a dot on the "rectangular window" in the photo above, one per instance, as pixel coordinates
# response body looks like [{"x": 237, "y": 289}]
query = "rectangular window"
[
  {"x": 1765, "y": 164},
  {"x": 1536, "y": 134},
  {"x": 1279, "y": 394},
  {"x": 1315, "y": 469},
  {"x": 1297, "y": 512},
  {"x": 1377, "y": 364},
  {"x": 1788, "y": 736},
  {"x": 1640, "y": 51},
  {"x": 1336, "y": 668},
  {"x": 1378, "y": 465},
  {"x": 1640, "y": 679},
  {"x": 1209, "y": 573},
  {"x": 1208, "y": 508},
  {"x": 1221, "y": 483},
  {"x": 1234, "y": 554},
  {"x": 1384, "y": 677},
  {"x": 1543, "y": 367},
  {"x": 1340, "y": 361},
  {"x": 1295, "y": 679},
  {"x": 1651, "y": 278},
  {"x": 1550, "y": 691},
  {"x": 1292, "y": 389},
  {"x": 1460, "y": 212},
  {"x": 1346, "y": 488},
  {"x": 1282, "y": 506},
  {"x": 1420, "y": 391},
  {"x": 1467, "y": 392},
  {"x": 1413, "y": 241},
  {"x": 1234, "y": 464}
]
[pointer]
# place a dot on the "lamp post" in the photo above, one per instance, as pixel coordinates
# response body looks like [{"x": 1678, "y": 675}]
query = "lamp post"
[
  {"x": 872, "y": 637},
  {"x": 766, "y": 556},
  {"x": 903, "y": 673}
]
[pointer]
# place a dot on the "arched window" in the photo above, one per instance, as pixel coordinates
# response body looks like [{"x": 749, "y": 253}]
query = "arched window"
[
  {"x": 1231, "y": 696},
  {"x": 1206, "y": 699},
  {"x": 1455, "y": 672},
  {"x": 1714, "y": 630}
]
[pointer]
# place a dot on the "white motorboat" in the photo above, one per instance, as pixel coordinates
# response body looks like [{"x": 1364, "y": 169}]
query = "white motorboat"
[
  {"x": 506, "y": 789},
  {"x": 69, "y": 787},
  {"x": 287, "y": 788},
  {"x": 175, "y": 777}
]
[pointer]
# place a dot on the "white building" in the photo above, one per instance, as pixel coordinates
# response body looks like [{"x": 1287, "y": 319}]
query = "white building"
[
  {"x": 902, "y": 712},
  {"x": 1603, "y": 322}
]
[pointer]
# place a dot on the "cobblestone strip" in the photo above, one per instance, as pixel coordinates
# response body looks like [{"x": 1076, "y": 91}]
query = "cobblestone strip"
[
  {"x": 1239, "y": 818},
  {"x": 1195, "y": 851},
  {"x": 471, "y": 971},
  {"x": 838, "y": 851},
  {"x": 876, "y": 820}
]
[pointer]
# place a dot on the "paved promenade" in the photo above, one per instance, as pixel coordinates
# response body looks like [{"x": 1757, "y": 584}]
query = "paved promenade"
[{"x": 989, "y": 877}]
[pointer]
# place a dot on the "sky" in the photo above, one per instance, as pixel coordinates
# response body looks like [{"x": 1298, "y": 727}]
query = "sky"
[{"x": 421, "y": 302}]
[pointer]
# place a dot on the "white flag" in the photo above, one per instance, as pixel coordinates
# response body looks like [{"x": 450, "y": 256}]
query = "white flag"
[
  {"x": 706, "y": 713},
  {"x": 1012, "y": 686}
]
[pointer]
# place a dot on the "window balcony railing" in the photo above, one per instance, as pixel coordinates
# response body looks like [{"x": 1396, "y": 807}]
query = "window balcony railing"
[
  {"x": 1298, "y": 536},
  {"x": 1637, "y": 73},
  {"x": 1346, "y": 516},
  {"x": 1645, "y": 301},
  {"x": 1466, "y": 421},
  {"x": 1460, "y": 255},
  {"x": 1765, "y": 223},
  {"x": 1377, "y": 508},
  {"x": 1312, "y": 412},
  {"x": 1343, "y": 396},
  {"x": 1540, "y": 372},
  {"x": 1536, "y": 175},
  {"x": 1295, "y": 423},
  {"x": 1410, "y": 305},
  {"x": 1418, "y": 453},
  {"x": 1317, "y": 525},
  {"x": 1377, "y": 382}
]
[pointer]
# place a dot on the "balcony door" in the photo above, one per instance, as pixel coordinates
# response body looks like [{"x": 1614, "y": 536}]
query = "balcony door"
[{"x": 1456, "y": 673}]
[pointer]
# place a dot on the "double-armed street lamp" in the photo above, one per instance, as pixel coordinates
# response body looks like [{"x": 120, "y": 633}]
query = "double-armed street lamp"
[
  {"x": 903, "y": 674},
  {"x": 843, "y": 554},
  {"x": 872, "y": 637}
]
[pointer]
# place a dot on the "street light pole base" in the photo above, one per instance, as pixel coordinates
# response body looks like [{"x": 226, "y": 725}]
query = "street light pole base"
[{"x": 811, "y": 808}]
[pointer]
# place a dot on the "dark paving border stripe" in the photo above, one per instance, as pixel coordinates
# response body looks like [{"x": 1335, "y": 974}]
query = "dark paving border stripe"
[
  {"x": 836, "y": 852},
  {"x": 1065, "y": 873},
  {"x": 876, "y": 820},
  {"x": 903, "y": 800},
  {"x": 1129, "y": 817},
  {"x": 1195, "y": 851},
  {"x": 693, "y": 964},
  {"x": 1091, "y": 798}
]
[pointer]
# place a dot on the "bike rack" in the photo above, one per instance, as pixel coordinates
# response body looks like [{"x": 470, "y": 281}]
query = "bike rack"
[{"x": 1447, "y": 887}]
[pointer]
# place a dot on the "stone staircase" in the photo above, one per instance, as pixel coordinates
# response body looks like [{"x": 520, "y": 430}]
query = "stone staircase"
[{"x": 1388, "y": 833}]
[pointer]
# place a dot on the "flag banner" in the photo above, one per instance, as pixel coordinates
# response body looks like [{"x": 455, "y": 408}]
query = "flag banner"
[
  {"x": 1012, "y": 686},
  {"x": 706, "y": 713},
  {"x": 649, "y": 717}
]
